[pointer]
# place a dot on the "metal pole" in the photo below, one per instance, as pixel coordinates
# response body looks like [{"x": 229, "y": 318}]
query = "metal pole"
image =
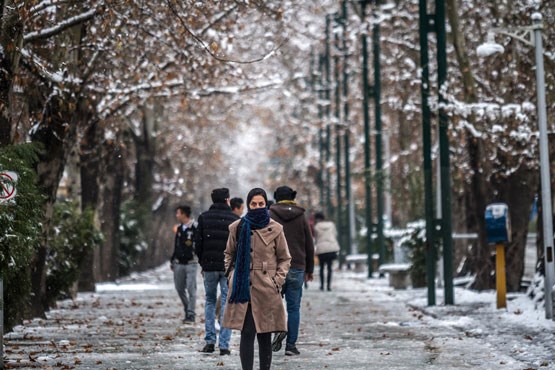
[
  {"x": 387, "y": 178},
  {"x": 500, "y": 275},
  {"x": 1, "y": 323},
  {"x": 339, "y": 213},
  {"x": 440, "y": 273},
  {"x": 378, "y": 143},
  {"x": 544, "y": 169},
  {"x": 328, "y": 116},
  {"x": 427, "y": 153},
  {"x": 367, "y": 152},
  {"x": 315, "y": 68},
  {"x": 346, "y": 139},
  {"x": 444, "y": 156}
]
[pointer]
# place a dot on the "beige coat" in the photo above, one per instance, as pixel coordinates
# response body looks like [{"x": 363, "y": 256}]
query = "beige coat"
[
  {"x": 270, "y": 261},
  {"x": 326, "y": 237}
]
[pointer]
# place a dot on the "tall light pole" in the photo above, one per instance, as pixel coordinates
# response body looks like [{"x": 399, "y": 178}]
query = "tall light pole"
[
  {"x": 349, "y": 209},
  {"x": 367, "y": 153},
  {"x": 532, "y": 36}
]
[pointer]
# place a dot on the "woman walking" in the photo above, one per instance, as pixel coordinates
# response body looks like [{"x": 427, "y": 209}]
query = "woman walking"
[
  {"x": 326, "y": 246},
  {"x": 257, "y": 260}
]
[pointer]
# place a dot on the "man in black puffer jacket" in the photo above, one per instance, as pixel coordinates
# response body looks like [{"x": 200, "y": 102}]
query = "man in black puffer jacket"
[{"x": 210, "y": 243}]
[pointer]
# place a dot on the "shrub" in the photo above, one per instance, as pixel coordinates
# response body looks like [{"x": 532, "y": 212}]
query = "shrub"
[
  {"x": 74, "y": 234},
  {"x": 133, "y": 242},
  {"x": 415, "y": 242},
  {"x": 20, "y": 230}
]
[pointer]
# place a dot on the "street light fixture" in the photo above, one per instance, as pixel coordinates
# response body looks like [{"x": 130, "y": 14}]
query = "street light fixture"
[{"x": 532, "y": 36}]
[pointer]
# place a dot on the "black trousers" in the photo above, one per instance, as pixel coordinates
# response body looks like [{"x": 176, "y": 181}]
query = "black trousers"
[
  {"x": 326, "y": 260},
  {"x": 246, "y": 347}
]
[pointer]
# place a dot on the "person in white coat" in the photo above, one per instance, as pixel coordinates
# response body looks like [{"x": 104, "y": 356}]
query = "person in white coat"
[{"x": 326, "y": 246}]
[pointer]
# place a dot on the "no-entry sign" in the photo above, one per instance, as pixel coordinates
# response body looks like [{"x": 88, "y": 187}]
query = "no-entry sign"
[{"x": 8, "y": 190}]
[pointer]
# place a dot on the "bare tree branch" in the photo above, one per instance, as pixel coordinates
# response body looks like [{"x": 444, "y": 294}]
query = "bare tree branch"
[
  {"x": 60, "y": 27},
  {"x": 207, "y": 49}
]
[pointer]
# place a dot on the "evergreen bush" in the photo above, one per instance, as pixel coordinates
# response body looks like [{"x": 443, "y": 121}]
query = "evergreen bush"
[
  {"x": 133, "y": 241},
  {"x": 20, "y": 230},
  {"x": 74, "y": 234},
  {"x": 415, "y": 242}
]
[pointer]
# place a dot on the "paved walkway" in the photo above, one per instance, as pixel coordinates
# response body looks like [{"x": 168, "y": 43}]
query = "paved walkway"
[{"x": 361, "y": 324}]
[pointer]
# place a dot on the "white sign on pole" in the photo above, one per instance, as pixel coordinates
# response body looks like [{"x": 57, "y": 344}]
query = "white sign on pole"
[{"x": 8, "y": 190}]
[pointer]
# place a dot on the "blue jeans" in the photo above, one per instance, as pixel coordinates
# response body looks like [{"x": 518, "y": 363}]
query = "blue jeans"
[
  {"x": 211, "y": 281},
  {"x": 293, "y": 289}
]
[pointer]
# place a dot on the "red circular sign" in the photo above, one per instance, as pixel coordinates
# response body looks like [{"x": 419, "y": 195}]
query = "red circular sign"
[{"x": 7, "y": 186}]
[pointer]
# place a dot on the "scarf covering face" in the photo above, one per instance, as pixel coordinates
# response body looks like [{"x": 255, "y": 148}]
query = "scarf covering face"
[{"x": 253, "y": 220}]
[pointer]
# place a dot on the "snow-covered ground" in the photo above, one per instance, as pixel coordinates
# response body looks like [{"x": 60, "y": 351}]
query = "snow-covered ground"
[{"x": 360, "y": 324}]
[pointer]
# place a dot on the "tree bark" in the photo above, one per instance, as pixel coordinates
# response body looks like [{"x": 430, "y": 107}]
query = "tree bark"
[
  {"x": 90, "y": 172},
  {"x": 114, "y": 169},
  {"x": 11, "y": 38},
  {"x": 58, "y": 137},
  {"x": 476, "y": 191},
  {"x": 519, "y": 193}
]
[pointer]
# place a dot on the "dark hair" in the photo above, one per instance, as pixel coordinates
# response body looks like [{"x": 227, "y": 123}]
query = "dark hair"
[
  {"x": 220, "y": 195},
  {"x": 254, "y": 192},
  {"x": 186, "y": 210},
  {"x": 319, "y": 216},
  {"x": 284, "y": 193},
  {"x": 236, "y": 202}
]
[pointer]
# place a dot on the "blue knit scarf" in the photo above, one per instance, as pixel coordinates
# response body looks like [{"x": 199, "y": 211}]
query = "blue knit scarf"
[{"x": 253, "y": 220}]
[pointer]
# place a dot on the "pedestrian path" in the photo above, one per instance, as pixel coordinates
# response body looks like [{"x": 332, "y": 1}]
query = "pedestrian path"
[{"x": 361, "y": 324}]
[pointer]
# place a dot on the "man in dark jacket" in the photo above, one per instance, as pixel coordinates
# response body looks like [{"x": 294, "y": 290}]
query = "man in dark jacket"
[
  {"x": 183, "y": 262},
  {"x": 301, "y": 247},
  {"x": 210, "y": 243}
]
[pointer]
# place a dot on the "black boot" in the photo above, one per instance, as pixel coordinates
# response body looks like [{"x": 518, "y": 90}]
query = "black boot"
[{"x": 209, "y": 348}]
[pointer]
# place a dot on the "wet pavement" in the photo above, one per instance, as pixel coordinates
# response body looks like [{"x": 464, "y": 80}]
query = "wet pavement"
[{"x": 360, "y": 324}]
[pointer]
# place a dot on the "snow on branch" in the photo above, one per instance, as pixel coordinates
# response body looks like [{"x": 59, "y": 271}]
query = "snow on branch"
[
  {"x": 490, "y": 110},
  {"x": 207, "y": 48},
  {"x": 111, "y": 104},
  {"x": 58, "y": 77},
  {"x": 58, "y": 28},
  {"x": 43, "y": 5}
]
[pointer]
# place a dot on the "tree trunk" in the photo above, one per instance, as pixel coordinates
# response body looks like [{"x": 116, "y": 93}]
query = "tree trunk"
[
  {"x": 145, "y": 150},
  {"x": 90, "y": 172},
  {"x": 476, "y": 192},
  {"x": 114, "y": 169},
  {"x": 58, "y": 137},
  {"x": 11, "y": 37},
  {"x": 519, "y": 193}
]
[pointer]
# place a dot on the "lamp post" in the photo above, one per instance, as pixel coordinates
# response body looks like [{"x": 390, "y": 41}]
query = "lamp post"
[
  {"x": 532, "y": 36},
  {"x": 436, "y": 228},
  {"x": 367, "y": 152},
  {"x": 349, "y": 209}
]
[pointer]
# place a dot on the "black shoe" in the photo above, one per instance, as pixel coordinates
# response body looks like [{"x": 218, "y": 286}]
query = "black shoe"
[
  {"x": 291, "y": 350},
  {"x": 189, "y": 320},
  {"x": 224, "y": 352},
  {"x": 278, "y": 338},
  {"x": 209, "y": 348}
]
